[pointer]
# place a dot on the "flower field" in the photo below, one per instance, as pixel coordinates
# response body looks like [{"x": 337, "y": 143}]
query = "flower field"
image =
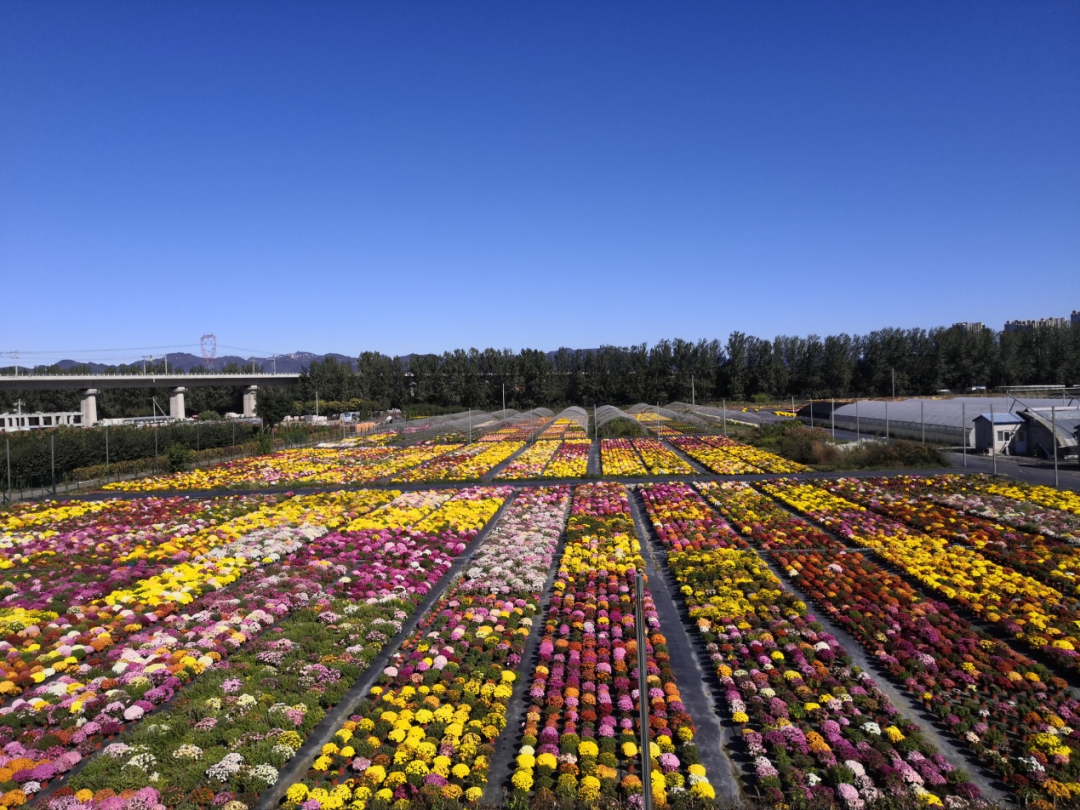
[{"x": 909, "y": 641}]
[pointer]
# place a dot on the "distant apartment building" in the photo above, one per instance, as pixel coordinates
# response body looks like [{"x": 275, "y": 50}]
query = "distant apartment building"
[
  {"x": 1076, "y": 317},
  {"x": 1039, "y": 323},
  {"x": 970, "y": 326}
]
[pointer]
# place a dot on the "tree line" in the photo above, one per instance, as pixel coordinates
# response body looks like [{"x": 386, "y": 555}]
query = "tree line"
[
  {"x": 909, "y": 361},
  {"x": 916, "y": 361}
]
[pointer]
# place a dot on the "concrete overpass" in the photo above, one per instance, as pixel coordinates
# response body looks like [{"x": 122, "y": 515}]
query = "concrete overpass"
[{"x": 88, "y": 386}]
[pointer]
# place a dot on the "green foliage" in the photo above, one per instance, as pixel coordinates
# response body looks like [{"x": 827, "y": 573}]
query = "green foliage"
[
  {"x": 622, "y": 428},
  {"x": 178, "y": 458},
  {"x": 265, "y": 442},
  {"x": 794, "y": 440},
  {"x": 209, "y": 416},
  {"x": 273, "y": 404}
]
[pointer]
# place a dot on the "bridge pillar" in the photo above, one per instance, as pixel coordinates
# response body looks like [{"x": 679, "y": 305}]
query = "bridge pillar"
[
  {"x": 88, "y": 406},
  {"x": 176, "y": 403},
  {"x": 249, "y": 399}
]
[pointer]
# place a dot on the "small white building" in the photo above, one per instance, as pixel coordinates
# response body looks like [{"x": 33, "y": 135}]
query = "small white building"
[{"x": 1005, "y": 431}]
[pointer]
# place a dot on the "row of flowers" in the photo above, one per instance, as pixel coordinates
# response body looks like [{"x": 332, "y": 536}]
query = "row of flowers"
[
  {"x": 571, "y": 460},
  {"x": 682, "y": 521},
  {"x": 618, "y": 457},
  {"x": 815, "y": 727},
  {"x": 660, "y": 459},
  {"x": 581, "y": 729},
  {"x": 1054, "y": 562},
  {"x": 972, "y": 494},
  {"x": 426, "y": 730},
  {"x": 713, "y": 458},
  {"x": 285, "y": 467},
  {"x": 464, "y": 464},
  {"x": 1027, "y": 609},
  {"x": 531, "y": 463},
  {"x": 143, "y": 579},
  {"x": 224, "y": 737},
  {"x": 566, "y": 429},
  {"x": 998, "y": 704}
]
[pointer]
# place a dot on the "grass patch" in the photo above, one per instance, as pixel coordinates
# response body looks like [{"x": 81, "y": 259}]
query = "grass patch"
[{"x": 797, "y": 442}]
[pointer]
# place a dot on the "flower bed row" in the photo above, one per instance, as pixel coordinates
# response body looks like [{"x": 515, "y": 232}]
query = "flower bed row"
[
  {"x": 618, "y": 457},
  {"x": 581, "y": 728},
  {"x": 970, "y": 494},
  {"x": 331, "y": 465},
  {"x": 1032, "y": 612},
  {"x": 426, "y": 730},
  {"x": 1053, "y": 562},
  {"x": 531, "y": 463},
  {"x": 1008, "y": 711},
  {"x": 563, "y": 429},
  {"x": 659, "y": 459},
  {"x": 682, "y": 521},
  {"x": 714, "y": 458},
  {"x": 571, "y": 460},
  {"x": 463, "y": 464},
  {"x": 817, "y": 728}
]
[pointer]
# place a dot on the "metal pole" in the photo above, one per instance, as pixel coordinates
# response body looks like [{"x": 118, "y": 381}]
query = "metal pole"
[
  {"x": 858, "y": 431},
  {"x": 832, "y": 416},
  {"x": 198, "y": 440},
  {"x": 7, "y": 455},
  {"x": 793, "y": 412},
  {"x": 963, "y": 424},
  {"x": 1053, "y": 438},
  {"x": 643, "y": 692},
  {"x": 811, "y": 411},
  {"x": 504, "y": 396},
  {"x": 725, "y": 418},
  {"x": 52, "y": 450},
  {"x": 993, "y": 439},
  {"x": 886, "y": 420},
  {"x": 922, "y": 419},
  {"x": 893, "y": 383},
  {"x": 106, "y": 449},
  {"x": 692, "y": 400},
  {"x": 234, "y": 434}
]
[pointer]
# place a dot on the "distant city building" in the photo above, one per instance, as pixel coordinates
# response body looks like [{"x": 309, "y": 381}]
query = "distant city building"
[
  {"x": 970, "y": 326},
  {"x": 1076, "y": 317},
  {"x": 1040, "y": 323}
]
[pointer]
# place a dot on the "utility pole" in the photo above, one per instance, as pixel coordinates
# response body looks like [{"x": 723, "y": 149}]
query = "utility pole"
[
  {"x": 692, "y": 401},
  {"x": 643, "y": 692},
  {"x": 893, "y": 382},
  {"x": 922, "y": 419},
  {"x": 106, "y": 450},
  {"x": 52, "y": 453},
  {"x": 811, "y": 411},
  {"x": 993, "y": 438},
  {"x": 886, "y": 420},
  {"x": 1053, "y": 438},
  {"x": 858, "y": 431},
  {"x": 504, "y": 395},
  {"x": 725, "y": 418},
  {"x": 316, "y": 403},
  {"x": 963, "y": 424},
  {"x": 832, "y": 416}
]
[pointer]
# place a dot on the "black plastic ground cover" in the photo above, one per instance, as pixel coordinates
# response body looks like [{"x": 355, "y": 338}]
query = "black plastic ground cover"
[{"x": 301, "y": 761}]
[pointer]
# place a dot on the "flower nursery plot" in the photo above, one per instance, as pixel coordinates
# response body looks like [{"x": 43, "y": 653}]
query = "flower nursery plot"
[
  {"x": 231, "y": 666},
  {"x": 801, "y": 708},
  {"x": 460, "y": 645},
  {"x": 997, "y": 703},
  {"x": 1032, "y": 612},
  {"x": 619, "y": 458}
]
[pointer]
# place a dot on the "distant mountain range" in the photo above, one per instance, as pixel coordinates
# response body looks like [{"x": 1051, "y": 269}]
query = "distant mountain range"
[{"x": 285, "y": 363}]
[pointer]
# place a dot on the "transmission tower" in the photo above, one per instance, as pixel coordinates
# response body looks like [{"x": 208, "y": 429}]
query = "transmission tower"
[{"x": 208, "y": 343}]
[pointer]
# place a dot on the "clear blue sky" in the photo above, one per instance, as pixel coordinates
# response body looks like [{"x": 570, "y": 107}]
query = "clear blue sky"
[{"x": 340, "y": 176}]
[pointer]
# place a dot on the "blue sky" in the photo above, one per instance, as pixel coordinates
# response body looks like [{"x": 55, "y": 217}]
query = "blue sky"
[{"x": 413, "y": 177}]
